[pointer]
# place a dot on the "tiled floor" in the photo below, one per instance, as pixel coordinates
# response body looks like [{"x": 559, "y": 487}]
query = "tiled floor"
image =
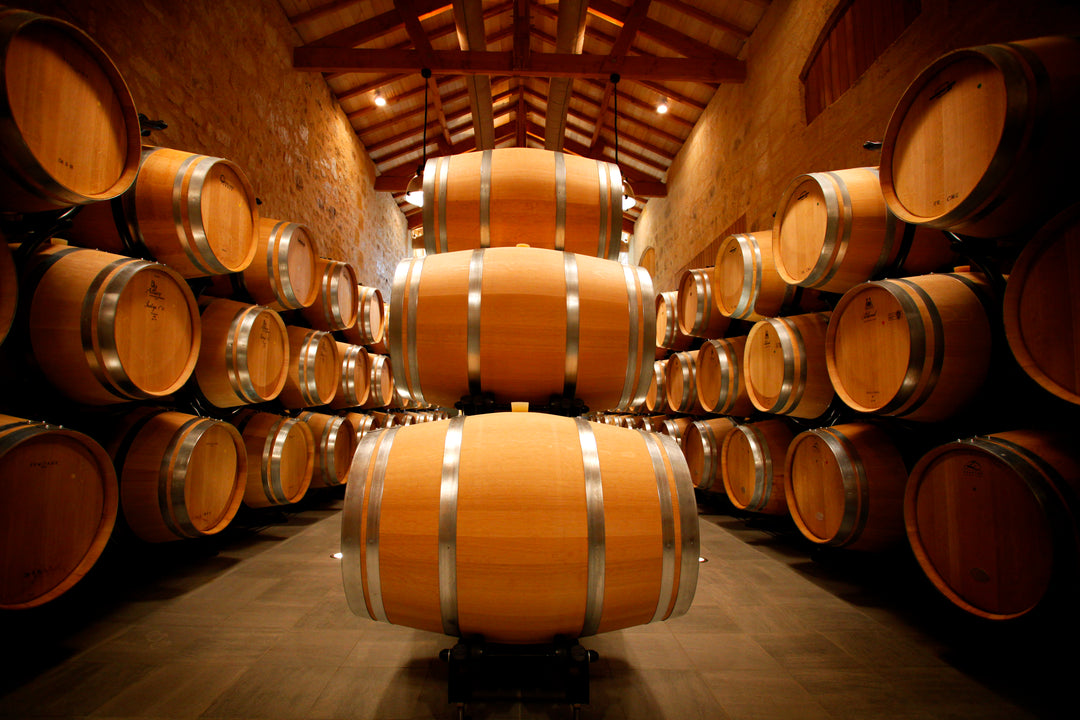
[{"x": 253, "y": 624}]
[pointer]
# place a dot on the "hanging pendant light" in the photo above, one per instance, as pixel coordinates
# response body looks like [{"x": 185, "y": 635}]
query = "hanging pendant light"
[
  {"x": 628, "y": 199},
  {"x": 414, "y": 191}
]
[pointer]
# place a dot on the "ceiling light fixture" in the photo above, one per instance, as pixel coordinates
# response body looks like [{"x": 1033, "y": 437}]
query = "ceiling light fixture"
[
  {"x": 628, "y": 200},
  {"x": 414, "y": 192},
  {"x": 662, "y": 108},
  {"x": 379, "y": 99}
]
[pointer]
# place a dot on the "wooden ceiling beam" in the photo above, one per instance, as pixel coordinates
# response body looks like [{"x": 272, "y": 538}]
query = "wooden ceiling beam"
[
  {"x": 522, "y": 37},
  {"x": 398, "y": 117},
  {"x": 666, "y": 36},
  {"x": 461, "y": 62},
  {"x": 469, "y": 22},
  {"x": 322, "y": 11},
  {"x": 373, "y": 27},
  {"x": 569, "y": 39},
  {"x": 410, "y": 12},
  {"x": 704, "y": 17}
]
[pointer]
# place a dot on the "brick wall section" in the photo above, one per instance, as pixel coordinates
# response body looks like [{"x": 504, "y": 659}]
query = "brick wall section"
[
  {"x": 753, "y": 139},
  {"x": 219, "y": 72}
]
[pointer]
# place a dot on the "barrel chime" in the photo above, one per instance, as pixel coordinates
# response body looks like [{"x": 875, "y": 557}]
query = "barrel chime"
[
  {"x": 520, "y": 528},
  {"x": 219, "y": 359}
]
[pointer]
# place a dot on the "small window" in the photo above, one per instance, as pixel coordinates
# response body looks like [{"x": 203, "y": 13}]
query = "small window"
[{"x": 856, "y": 34}]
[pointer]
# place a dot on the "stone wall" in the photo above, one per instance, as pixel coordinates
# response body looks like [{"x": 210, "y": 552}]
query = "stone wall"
[
  {"x": 219, "y": 72},
  {"x": 753, "y": 138}
]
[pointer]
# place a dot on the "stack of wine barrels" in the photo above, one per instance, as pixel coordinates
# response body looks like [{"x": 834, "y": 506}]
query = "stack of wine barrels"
[
  {"x": 452, "y": 526},
  {"x": 171, "y": 353}
]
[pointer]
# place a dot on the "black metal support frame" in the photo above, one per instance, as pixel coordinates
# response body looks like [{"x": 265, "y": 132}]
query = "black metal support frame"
[{"x": 555, "y": 672}]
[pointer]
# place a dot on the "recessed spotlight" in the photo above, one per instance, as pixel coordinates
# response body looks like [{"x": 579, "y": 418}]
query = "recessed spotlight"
[
  {"x": 380, "y": 100},
  {"x": 662, "y": 107},
  {"x": 336, "y": 556}
]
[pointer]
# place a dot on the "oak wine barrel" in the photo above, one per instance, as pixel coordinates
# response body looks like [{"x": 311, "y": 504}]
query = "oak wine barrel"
[
  {"x": 108, "y": 329},
  {"x": 993, "y": 521},
  {"x": 833, "y": 231},
  {"x": 281, "y": 458},
  {"x": 916, "y": 347},
  {"x": 675, "y": 428},
  {"x": 745, "y": 281},
  {"x": 845, "y": 487},
  {"x": 181, "y": 476},
  {"x": 337, "y": 300},
  {"x": 507, "y": 196},
  {"x": 523, "y": 324},
  {"x": 668, "y": 333},
  {"x": 243, "y": 355},
  {"x": 370, "y": 325},
  {"x": 967, "y": 148},
  {"x": 698, "y": 313},
  {"x": 69, "y": 127},
  {"x": 195, "y": 213},
  {"x": 283, "y": 274},
  {"x": 355, "y": 380},
  {"x": 1042, "y": 304},
  {"x": 59, "y": 506},
  {"x": 363, "y": 423},
  {"x": 656, "y": 398},
  {"x": 784, "y": 365},
  {"x": 334, "y": 441},
  {"x": 701, "y": 445},
  {"x": 382, "y": 388},
  {"x": 314, "y": 368},
  {"x": 721, "y": 382},
  {"x": 752, "y": 466},
  {"x": 595, "y": 530},
  {"x": 680, "y": 383}
]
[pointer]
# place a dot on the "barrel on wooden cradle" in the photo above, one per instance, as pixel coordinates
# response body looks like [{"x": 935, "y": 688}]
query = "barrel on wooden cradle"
[
  {"x": 680, "y": 383},
  {"x": 503, "y": 197},
  {"x": 701, "y": 445},
  {"x": 916, "y": 347},
  {"x": 108, "y": 329},
  {"x": 335, "y": 442},
  {"x": 337, "y": 300},
  {"x": 524, "y": 324},
  {"x": 698, "y": 313},
  {"x": 845, "y": 487},
  {"x": 314, "y": 368},
  {"x": 71, "y": 133},
  {"x": 370, "y": 325},
  {"x": 833, "y": 231},
  {"x": 382, "y": 388},
  {"x": 966, "y": 147},
  {"x": 721, "y": 382},
  {"x": 181, "y": 476},
  {"x": 752, "y": 466},
  {"x": 195, "y": 213},
  {"x": 668, "y": 333},
  {"x": 784, "y": 364},
  {"x": 354, "y": 383},
  {"x": 283, "y": 274},
  {"x": 244, "y": 353},
  {"x": 993, "y": 520},
  {"x": 1042, "y": 303},
  {"x": 469, "y": 527},
  {"x": 59, "y": 506},
  {"x": 281, "y": 458}
]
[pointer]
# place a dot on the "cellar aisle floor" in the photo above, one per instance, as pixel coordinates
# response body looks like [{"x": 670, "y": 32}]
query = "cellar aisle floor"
[{"x": 253, "y": 624}]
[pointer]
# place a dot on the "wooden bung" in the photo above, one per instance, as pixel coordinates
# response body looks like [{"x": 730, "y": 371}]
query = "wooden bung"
[
  {"x": 71, "y": 133},
  {"x": 337, "y": 300},
  {"x": 721, "y": 382},
  {"x": 845, "y": 487},
  {"x": 580, "y": 542},
  {"x": 752, "y": 466},
  {"x": 523, "y": 324},
  {"x": 965, "y": 148},
  {"x": 503, "y": 197},
  {"x": 281, "y": 458},
  {"x": 181, "y": 476},
  {"x": 701, "y": 444},
  {"x": 244, "y": 353},
  {"x": 833, "y": 231},
  {"x": 993, "y": 520},
  {"x": 195, "y": 213},
  {"x": 314, "y": 368},
  {"x": 916, "y": 347},
  {"x": 59, "y": 505},
  {"x": 1042, "y": 307},
  {"x": 108, "y": 329},
  {"x": 784, "y": 365},
  {"x": 698, "y": 313},
  {"x": 335, "y": 441}
]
